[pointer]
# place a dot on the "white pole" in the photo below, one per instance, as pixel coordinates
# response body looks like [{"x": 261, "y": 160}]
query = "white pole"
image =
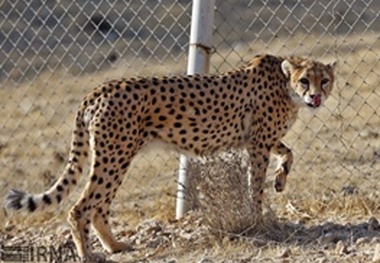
[{"x": 202, "y": 21}]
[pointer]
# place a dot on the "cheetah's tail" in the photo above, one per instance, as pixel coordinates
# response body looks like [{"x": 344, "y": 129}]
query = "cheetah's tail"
[{"x": 20, "y": 200}]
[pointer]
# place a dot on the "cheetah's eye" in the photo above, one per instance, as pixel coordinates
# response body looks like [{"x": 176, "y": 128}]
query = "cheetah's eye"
[
  {"x": 324, "y": 81},
  {"x": 304, "y": 81}
]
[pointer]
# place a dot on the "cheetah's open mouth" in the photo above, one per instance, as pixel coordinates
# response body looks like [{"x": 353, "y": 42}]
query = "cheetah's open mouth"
[
  {"x": 315, "y": 102},
  {"x": 311, "y": 105}
]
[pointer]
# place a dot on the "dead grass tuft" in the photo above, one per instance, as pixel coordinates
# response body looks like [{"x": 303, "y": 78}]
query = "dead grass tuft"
[{"x": 219, "y": 189}]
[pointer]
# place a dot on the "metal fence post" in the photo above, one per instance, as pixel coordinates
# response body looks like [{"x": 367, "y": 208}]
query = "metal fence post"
[{"x": 199, "y": 56}]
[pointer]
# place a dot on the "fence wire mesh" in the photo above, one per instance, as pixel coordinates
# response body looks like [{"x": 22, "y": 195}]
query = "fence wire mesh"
[{"x": 54, "y": 52}]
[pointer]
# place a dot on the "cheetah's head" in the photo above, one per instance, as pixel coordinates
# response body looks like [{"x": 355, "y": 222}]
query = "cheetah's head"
[{"x": 311, "y": 82}]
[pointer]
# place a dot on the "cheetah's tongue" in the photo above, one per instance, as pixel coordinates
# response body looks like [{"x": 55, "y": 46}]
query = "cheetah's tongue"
[{"x": 317, "y": 100}]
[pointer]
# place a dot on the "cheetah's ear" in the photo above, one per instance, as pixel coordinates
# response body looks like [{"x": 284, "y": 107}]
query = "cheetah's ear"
[
  {"x": 332, "y": 65},
  {"x": 287, "y": 68}
]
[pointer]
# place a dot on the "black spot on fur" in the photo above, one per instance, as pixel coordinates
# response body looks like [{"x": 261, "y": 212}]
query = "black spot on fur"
[
  {"x": 59, "y": 188},
  {"x": 46, "y": 199},
  {"x": 31, "y": 204}
]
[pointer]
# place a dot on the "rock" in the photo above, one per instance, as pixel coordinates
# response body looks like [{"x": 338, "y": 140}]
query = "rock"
[
  {"x": 373, "y": 224},
  {"x": 341, "y": 248},
  {"x": 375, "y": 240},
  {"x": 350, "y": 190},
  {"x": 330, "y": 238},
  {"x": 365, "y": 133},
  {"x": 362, "y": 241},
  {"x": 285, "y": 253},
  {"x": 205, "y": 260},
  {"x": 9, "y": 228}
]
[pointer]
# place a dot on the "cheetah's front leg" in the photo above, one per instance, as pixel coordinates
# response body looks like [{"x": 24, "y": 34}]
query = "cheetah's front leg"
[
  {"x": 285, "y": 159},
  {"x": 259, "y": 158}
]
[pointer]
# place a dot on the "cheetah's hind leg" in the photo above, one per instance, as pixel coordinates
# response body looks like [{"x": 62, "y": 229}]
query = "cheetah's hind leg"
[{"x": 101, "y": 226}]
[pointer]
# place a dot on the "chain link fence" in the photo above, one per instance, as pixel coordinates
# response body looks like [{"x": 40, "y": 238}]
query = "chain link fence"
[{"x": 54, "y": 52}]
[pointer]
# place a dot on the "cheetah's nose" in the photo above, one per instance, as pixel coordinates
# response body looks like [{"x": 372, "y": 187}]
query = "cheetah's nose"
[{"x": 316, "y": 99}]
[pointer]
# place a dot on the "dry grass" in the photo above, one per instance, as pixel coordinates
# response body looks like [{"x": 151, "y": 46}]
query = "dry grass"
[{"x": 219, "y": 189}]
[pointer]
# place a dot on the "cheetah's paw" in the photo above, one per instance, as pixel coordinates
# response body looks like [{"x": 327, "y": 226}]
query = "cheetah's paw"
[{"x": 280, "y": 181}]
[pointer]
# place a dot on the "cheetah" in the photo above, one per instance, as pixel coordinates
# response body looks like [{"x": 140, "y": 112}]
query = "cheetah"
[{"x": 250, "y": 107}]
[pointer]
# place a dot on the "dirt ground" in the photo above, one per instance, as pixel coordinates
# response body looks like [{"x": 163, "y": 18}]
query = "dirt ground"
[{"x": 328, "y": 212}]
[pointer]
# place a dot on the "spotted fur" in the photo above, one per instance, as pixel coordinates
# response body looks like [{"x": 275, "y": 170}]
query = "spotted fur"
[{"x": 252, "y": 107}]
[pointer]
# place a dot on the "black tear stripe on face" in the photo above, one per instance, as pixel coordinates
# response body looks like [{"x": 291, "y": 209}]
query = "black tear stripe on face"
[{"x": 304, "y": 93}]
